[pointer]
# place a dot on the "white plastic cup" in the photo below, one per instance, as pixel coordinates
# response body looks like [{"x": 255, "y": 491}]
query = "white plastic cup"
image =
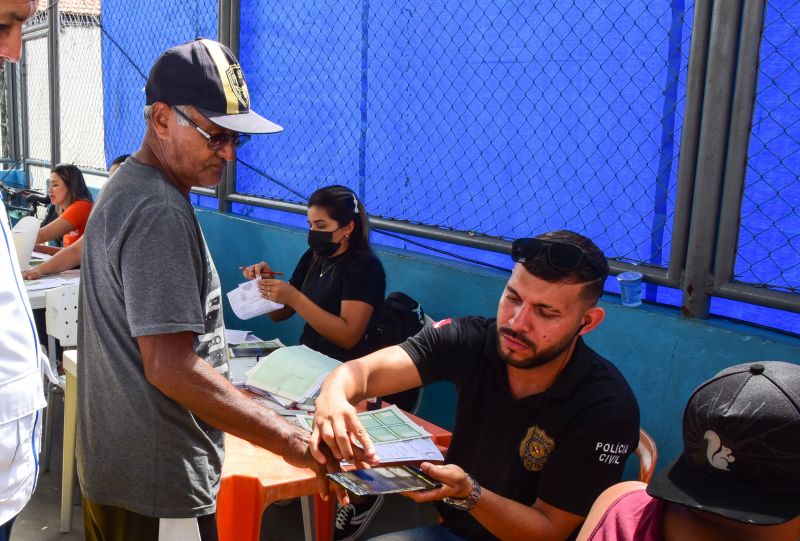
[{"x": 630, "y": 287}]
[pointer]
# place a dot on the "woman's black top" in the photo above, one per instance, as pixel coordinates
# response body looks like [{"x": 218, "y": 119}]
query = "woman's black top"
[{"x": 351, "y": 276}]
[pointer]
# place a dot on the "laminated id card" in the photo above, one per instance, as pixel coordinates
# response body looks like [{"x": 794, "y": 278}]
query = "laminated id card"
[{"x": 384, "y": 480}]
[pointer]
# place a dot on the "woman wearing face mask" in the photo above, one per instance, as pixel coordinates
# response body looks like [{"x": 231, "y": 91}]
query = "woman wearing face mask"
[
  {"x": 69, "y": 194},
  {"x": 339, "y": 283}
]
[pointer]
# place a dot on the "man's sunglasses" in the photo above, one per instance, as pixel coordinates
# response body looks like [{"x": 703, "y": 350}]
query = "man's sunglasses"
[
  {"x": 560, "y": 255},
  {"x": 218, "y": 140}
]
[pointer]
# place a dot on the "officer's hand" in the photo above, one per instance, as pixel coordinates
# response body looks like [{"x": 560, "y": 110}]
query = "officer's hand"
[{"x": 455, "y": 483}]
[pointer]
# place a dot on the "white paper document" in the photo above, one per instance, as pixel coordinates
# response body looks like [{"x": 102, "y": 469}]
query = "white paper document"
[
  {"x": 396, "y": 437},
  {"x": 40, "y": 256},
  {"x": 409, "y": 450},
  {"x": 386, "y": 425},
  {"x": 238, "y": 337},
  {"x": 48, "y": 282},
  {"x": 247, "y": 302}
]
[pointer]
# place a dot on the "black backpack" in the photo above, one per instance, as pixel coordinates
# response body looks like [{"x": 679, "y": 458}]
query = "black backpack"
[{"x": 399, "y": 318}]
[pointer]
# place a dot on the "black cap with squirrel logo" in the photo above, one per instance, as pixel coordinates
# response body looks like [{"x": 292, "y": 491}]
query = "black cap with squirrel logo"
[
  {"x": 741, "y": 456},
  {"x": 205, "y": 74}
]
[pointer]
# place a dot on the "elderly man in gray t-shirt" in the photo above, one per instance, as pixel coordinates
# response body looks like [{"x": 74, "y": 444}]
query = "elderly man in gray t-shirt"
[{"x": 152, "y": 388}]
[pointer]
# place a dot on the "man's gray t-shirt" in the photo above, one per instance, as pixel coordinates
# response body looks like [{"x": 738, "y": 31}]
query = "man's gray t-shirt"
[{"x": 145, "y": 270}]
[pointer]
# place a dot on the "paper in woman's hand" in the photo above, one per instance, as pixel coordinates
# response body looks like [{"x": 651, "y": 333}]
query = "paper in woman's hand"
[{"x": 247, "y": 302}]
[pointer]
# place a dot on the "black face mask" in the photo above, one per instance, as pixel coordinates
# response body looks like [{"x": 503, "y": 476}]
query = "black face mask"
[{"x": 321, "y": 242}]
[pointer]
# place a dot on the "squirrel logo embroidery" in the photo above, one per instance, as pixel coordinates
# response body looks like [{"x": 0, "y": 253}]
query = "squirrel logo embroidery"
[{"x": 717, "y": 454}]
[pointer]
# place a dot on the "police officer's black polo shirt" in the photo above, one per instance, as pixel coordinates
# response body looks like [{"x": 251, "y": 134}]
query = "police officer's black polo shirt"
[{"x": 565, "y": 445}]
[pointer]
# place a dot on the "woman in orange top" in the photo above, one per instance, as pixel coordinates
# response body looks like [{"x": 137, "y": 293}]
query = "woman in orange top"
[{"x": 69, "y": 194}]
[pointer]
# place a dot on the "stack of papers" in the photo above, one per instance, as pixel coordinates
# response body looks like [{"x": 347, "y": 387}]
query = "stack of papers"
[
  {"x": 233, "y": 336},
  {"x": 396, "y": 437},
  {"x": 291, "y": 375},
  {"x": 247, "y": 302},
  {"x": 49, "y": 282}
]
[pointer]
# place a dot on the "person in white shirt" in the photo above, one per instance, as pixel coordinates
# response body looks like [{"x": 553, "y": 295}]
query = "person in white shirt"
[{"x": 21, "y": 391}]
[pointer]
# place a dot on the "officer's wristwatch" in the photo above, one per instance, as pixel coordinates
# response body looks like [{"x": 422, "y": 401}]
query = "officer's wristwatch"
[{"x": 466, "y": 504}]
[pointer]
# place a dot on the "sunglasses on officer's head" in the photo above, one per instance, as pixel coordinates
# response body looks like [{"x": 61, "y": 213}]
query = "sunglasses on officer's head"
[{"x": 560, "y": 255}]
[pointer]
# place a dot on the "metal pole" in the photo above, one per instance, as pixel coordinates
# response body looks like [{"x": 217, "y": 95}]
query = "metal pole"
[
  {"x": 762, "y": 296},
  {"x": 12, "y": 111},
  {"x": 24, "y": 126},
  {"x": 690, "y": 136},
  {"x": 654, "y": 275},
  {"x": 228, "y": 35},
  {"x": 40, "y": 33},
  {"x": 235, "y": 27},
  {"x": 53, "y": 65},
  {"x": 741, "y": 125},
  {"x": 38, "y": 163},
  {"x": 229, "y": 183},
  {"x": 715, "y": 122},
  {"x": 223, "y": 21}
]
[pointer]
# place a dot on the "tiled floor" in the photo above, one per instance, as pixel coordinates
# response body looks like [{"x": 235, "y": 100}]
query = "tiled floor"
[{"x": 41, "y": 518}]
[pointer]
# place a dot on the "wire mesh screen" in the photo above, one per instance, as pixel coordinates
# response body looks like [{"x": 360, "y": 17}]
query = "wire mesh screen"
[
  {"x": 769, "y": 235},
  {"x": 497, "y": 117},
  {"x": 131, "y": 42},
  {"x": 37, "y": 97},
  {"x": 81, "y": 84}
]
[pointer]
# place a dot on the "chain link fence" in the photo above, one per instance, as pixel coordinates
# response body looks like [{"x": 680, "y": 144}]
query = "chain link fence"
[
  {"x": 88, "y": 58},
  {"x": 130, "y": 45},
  {"x": 768, "y": 253},
  {"x": 499, "y": 118},
  {"x": 36, "y": 108},
  {"x": 81, "y": 87}
]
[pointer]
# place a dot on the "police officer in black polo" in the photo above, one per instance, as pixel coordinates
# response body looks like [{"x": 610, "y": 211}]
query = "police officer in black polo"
[{"x": 543, "y": 425}]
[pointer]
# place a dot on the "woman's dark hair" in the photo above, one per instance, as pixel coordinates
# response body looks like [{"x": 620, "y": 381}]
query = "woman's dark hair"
[
  {"x": 342, "y": 205},
  {"x": 76, "y": 185}
]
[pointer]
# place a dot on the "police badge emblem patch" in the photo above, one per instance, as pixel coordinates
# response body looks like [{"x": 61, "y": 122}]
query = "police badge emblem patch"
[
  {"x": 535, "y": 449},
  {"x": 239, "y": 87}
]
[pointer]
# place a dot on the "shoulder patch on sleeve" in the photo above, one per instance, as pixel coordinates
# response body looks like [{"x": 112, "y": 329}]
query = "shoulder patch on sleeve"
[{"x": 442, "y": 323}]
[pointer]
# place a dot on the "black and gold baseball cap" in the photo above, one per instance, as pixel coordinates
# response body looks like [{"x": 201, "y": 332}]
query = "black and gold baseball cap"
[
  {"x": 206, "y": 75},
  {"x": 741, "y": 456}
]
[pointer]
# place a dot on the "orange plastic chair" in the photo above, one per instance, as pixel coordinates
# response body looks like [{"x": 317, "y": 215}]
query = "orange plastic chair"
[{"x": 648, "y": 455}]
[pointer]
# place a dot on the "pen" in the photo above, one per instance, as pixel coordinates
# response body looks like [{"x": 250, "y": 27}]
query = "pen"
[{"x": 265, "y": 274}]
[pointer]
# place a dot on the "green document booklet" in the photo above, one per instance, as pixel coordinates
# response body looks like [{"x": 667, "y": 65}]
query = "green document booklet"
[{"x": 294, "y": 373}]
